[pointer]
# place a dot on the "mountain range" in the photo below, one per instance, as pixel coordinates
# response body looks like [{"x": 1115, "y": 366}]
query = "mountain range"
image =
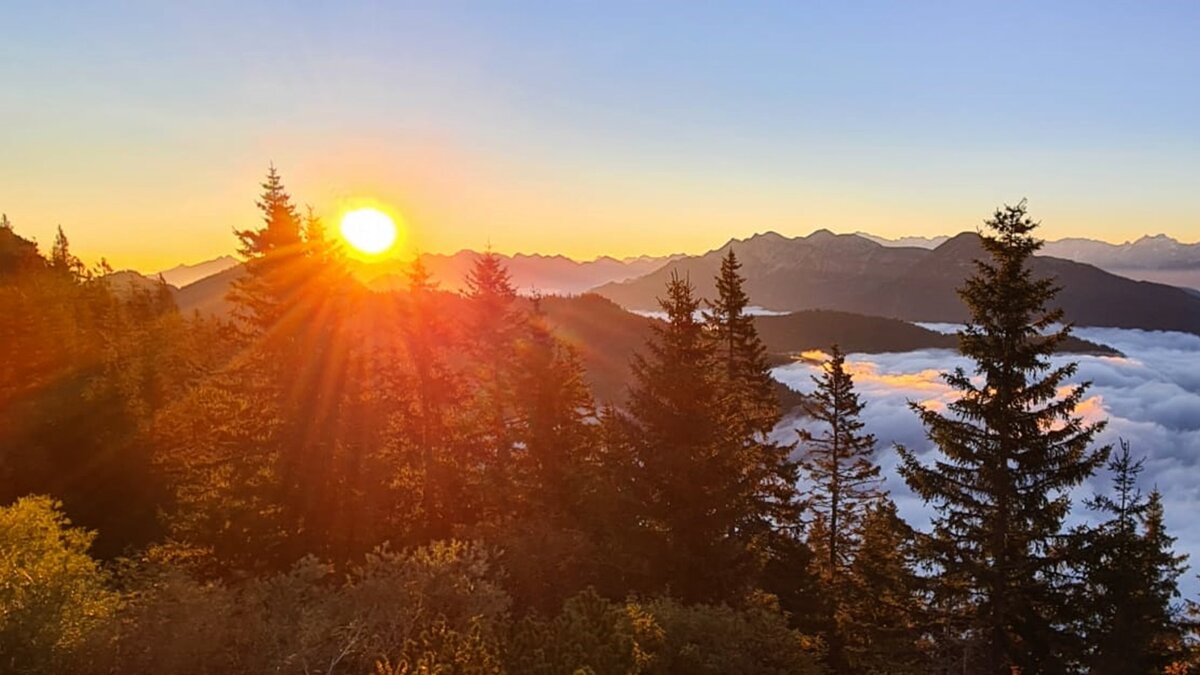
[
  {"x": 544, "y": 274},
  {"x": 850, "y": 273},
  {"x": 1156, "y": 258},
  {"x": 854, "y": 274},
  {"x": 830, "y": 273}
]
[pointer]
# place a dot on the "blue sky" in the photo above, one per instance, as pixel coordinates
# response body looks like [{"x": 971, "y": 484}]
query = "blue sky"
[{"x": 590, "y": 128}]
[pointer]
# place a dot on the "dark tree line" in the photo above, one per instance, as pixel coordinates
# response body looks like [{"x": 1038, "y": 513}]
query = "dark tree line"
[{"x": 337, "y": 480}]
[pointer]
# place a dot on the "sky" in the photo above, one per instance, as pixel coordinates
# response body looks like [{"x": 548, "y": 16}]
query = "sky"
[{"x": 589, "y": 128}]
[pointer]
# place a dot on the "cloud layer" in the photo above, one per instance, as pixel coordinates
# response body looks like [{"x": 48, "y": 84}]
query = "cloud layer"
[{"x": 1150, "y": 397}]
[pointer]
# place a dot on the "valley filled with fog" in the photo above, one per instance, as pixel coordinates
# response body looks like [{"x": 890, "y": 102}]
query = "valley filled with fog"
[{"x": 1150, "y": 397}]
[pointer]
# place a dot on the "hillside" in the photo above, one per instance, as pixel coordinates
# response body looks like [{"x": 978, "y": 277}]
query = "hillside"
[
  {"x": 790, "y": 334},
  {"x": 607, "y": 336},
  {"x": 127, "y": 282},
  {"x": 208, "y": 296}
]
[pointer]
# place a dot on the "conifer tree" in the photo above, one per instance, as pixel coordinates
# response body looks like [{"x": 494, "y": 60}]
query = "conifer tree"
[
  {"x": 554, "y": 410},
  {"x": 61, "y": 258},
  {"x": 1130, "y": 575},
  {"x": 442, "y": 462},
  {"x": 740, "y": 354},
  {"x": 282, "y": 229},
  {"x": 294, "y": 482},
  {"x": 493, "y": 331},
  {"x": 1011, "y": 447},
  {"x": 549, "y": 530},
  {"x": 322, "y": 250},
  {"x": 883, "y": 622},
  {"x": 267, "y": 293},
  {"x": 844, "y": 484},
  {"x": 747, "y": 393},
  {"x": 428, "y": 338},
  {"x": 680, "y": 481},
  {"x": 696, "y": 489}
]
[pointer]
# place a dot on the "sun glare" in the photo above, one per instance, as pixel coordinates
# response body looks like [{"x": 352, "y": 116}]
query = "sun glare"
[{"x": 369, "y": 230}]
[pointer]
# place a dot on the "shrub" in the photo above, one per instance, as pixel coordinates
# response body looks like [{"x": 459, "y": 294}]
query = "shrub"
[{"x": 52, "y": 594}]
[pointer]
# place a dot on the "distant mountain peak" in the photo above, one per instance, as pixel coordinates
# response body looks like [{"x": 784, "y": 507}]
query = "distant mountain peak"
[
  {"x": 962, "y": 239},
  {"x": 182, "y": 275},
  {"x": 768, "y": 236}
]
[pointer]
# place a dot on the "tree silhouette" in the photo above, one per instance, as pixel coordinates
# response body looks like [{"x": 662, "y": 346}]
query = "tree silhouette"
[{"x": 1011, "y": 447}]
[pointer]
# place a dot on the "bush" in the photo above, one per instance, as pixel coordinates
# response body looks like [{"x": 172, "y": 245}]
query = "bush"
[
  {"x": 719, "y": 640},
  {"x": 52, "y": 594},
  {"x": 434, "y": 609},
  {"x": 590, "y": 635},
  {"x": 593, "y": 636}
]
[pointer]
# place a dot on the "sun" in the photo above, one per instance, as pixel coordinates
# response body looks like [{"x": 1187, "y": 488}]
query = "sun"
[{"x": 369, "y": 230}]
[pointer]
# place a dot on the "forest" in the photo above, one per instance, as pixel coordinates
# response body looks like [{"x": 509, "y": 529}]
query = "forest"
[{"x": 343, "y": 480}]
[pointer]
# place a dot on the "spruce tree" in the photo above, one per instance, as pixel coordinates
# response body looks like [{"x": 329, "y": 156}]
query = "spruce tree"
[
  {"x": 433, "y": 447},
  {"x": 323, "y": 251},
  {"x": 493, "y": 332},
  {"x": 844, "y": 484},
  {"x": 740, "y": 354},
  {"x": 1130, "y": 575},
  {"x": 883, "y": 621},
  {"x": 550, "y": 530},
  {"x": 748, "y": 397},
  {"x": 554, "y": 415},
  {"x": 1011, "y": 447},
  {"x": 679, "y": 478},
  {"x": 694, "y": 484},
  {"x": 62, "y": 260},
  {"x": 266, "y": 295},
  {"x": 283, "y": 230},
  {"x": 295, "y": 483}
]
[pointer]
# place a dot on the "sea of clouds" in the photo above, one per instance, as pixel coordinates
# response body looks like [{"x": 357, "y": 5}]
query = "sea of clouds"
[{"x": 1150, "y": 397}]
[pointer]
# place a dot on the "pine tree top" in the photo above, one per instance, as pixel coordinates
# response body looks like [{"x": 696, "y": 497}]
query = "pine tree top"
[
  {"x": 282, "y": 227},
  {"x": 489, "y": 278}
]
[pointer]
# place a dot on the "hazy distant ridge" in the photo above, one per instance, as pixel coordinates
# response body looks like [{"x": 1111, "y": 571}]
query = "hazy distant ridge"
[
  {"x": 1157, "y": 258},
  {"x": 855, "y": 274}
]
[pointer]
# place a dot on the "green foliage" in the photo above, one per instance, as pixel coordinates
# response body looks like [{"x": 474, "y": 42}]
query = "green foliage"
[
  {"x": 720, "y": 640},
  {"x": 589, "y": 635},
  {"x": 883, "y": 617},
  {"x": 278, "y": 453},
  {"x": 52, "y": 594},
  {"x": 1127, "y": 604},
  {"x": 493, "y": 330},
  {"x": 750, "y": 411},
  {"x": 1011, "y": 448},
  {"x": 661, "y": 636},
  {"x": 429, "y": 608},
  {"x": 81, "y": 372},
  {"x": 844, "y": 481},
  {"x": 740, "y": 355},
  {"x": 702, "y": 484}
]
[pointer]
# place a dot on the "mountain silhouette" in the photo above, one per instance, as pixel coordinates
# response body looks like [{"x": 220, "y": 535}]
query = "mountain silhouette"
[
  {"x": 854, "y": 274},
  {"x": 1157, "y": 258},
  {"x": 182, "y": 275}
]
